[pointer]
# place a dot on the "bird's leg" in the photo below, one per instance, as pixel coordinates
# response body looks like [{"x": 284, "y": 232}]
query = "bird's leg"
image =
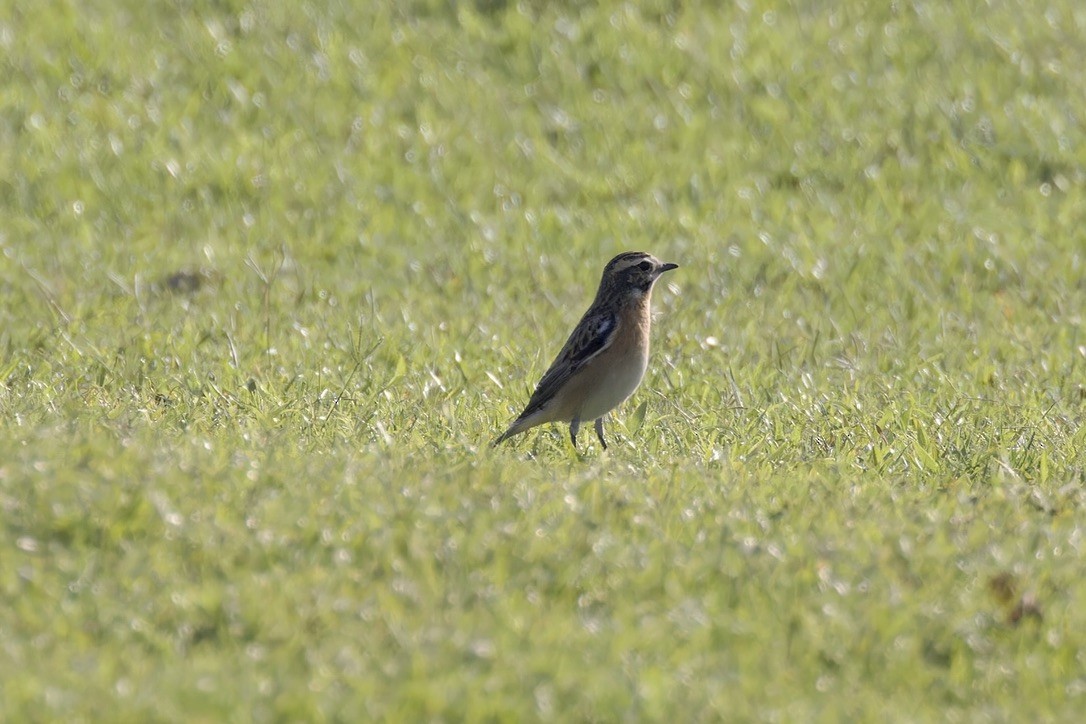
[
  {"x": 574, "y": 426},
  {"x": 599, "y": 432}
]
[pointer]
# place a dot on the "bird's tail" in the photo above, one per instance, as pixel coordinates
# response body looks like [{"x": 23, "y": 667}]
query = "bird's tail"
[{"x": 518, "y": 425}]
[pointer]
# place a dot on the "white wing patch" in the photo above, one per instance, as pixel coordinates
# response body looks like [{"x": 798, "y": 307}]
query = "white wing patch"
[{"x": 605, "y": 325}]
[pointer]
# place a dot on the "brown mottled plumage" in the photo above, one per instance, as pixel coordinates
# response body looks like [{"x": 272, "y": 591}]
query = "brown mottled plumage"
[{"x": 605, "y": 357}]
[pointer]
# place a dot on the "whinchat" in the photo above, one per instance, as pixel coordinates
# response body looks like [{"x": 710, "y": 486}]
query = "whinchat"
[{"x": 605, "y": 357}]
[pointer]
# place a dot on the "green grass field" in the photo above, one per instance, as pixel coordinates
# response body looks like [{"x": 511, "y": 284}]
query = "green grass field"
[{"x": 274, "y": 276}]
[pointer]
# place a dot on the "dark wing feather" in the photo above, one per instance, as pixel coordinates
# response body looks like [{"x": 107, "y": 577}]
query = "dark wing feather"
[{"x": 594, "y": 334}]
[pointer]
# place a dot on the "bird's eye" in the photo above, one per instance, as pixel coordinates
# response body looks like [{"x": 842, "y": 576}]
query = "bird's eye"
[{"x": 645, "y": 265}]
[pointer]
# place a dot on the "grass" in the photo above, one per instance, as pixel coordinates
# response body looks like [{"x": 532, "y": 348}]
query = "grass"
[{"x": 274, "y": 277}]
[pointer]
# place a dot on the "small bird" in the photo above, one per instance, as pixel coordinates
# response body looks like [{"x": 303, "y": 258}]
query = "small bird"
[{"x": 605, "y": 357}]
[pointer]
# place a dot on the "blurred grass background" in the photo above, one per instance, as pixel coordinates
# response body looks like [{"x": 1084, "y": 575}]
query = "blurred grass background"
[{"x": 274, "y": 276}]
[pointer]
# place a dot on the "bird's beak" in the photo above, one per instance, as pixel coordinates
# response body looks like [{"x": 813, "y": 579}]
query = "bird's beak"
[{"x": 665, "y": 267}]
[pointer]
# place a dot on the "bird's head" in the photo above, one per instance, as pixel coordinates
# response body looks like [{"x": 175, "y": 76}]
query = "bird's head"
[{"x": 633, "y": 273}]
